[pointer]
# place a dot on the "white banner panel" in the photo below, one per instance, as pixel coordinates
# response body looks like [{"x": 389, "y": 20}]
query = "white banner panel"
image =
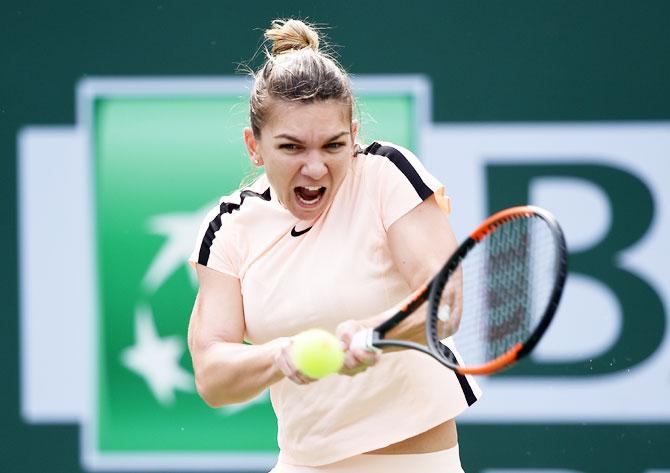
[{"x": 608, "y": 186}]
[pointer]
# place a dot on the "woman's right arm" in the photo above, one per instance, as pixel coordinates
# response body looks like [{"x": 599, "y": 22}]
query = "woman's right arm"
[{"x": 226, "y": 370}]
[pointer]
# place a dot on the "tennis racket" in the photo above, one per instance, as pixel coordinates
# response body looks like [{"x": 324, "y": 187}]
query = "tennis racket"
[{"x": 493, "y": 299}]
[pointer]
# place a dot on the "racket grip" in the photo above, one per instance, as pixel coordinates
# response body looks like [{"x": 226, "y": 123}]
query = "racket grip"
[{"x": 363, "y": 341}]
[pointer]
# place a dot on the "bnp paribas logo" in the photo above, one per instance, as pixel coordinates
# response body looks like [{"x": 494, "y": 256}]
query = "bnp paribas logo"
[{"x": 110, "y": 208}]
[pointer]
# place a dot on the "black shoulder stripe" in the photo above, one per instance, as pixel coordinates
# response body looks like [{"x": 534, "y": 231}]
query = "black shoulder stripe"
[
  {"x": 469, "y": 394},
  {"x": 401, "y": 162},
  {"x": 215, "y": 224}
]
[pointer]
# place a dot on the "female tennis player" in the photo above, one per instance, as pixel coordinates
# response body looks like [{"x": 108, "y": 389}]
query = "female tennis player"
[{"x": 331, "y": 235}]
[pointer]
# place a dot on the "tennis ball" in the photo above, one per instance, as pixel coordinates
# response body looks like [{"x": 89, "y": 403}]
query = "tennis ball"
[{"x": 317, "y": 353}]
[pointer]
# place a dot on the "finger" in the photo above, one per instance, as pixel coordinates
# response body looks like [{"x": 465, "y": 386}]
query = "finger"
[
  {"x": 365, "y": 357},
  {"x": 303, "y": 378},
  {"x": 299, "y": 377},
  {"x": 354, "y": 371},
  {"x": 290, "y": 371},
  {"x": 345, "y": 333},
  {"x": 350, "y": 360},
  {"x": 285, "y": 367}
]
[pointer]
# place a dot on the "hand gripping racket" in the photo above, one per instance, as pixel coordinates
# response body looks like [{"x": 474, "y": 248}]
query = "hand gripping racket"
[{"x": 503, "y": 285}]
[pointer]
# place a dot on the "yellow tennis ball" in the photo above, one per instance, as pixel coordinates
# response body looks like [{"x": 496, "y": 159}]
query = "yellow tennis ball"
[{"x": 317, "y": 353}]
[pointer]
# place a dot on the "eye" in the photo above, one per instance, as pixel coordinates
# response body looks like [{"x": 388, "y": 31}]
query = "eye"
[
  {"x": 335, "y": 145},
  {"x": 288, "y": 146}
]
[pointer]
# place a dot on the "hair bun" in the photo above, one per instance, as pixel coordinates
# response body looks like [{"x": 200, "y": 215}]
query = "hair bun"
[{"x": 289, "y": 35}]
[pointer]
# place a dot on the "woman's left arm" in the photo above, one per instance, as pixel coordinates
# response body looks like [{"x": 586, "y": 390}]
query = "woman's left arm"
[{"x": 420, "y": 242}]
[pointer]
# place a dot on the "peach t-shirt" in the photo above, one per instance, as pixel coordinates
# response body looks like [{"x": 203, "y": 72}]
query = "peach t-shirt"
[{"x": 298, "y": 274}]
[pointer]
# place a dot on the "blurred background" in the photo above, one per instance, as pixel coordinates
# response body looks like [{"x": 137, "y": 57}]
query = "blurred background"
[{"x": 120, "y": 122}]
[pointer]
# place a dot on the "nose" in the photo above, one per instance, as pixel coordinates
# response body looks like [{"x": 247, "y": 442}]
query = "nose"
[{"x": 314, "y": 168}]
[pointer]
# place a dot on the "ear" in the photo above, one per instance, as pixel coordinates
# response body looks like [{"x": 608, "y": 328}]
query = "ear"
[
  {"x": 354, "y": 134},
  {"x": 252, "y": 147}
]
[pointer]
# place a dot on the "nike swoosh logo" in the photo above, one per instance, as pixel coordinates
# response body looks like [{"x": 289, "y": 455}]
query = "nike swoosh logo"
[{"x": 295, "y": 233}]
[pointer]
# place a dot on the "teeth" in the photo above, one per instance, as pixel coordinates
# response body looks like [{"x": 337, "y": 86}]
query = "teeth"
[
  {"x": 309, "y": 201},
  {"x": 314, "y": 200}
]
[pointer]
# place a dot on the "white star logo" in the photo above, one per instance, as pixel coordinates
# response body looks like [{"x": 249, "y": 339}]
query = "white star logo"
[
  {"x": 180, "y": 231},
  {"x": 157, "y": 359}
]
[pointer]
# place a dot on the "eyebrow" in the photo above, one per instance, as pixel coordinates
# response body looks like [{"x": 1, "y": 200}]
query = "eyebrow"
[{"x": 297, "y": 140}]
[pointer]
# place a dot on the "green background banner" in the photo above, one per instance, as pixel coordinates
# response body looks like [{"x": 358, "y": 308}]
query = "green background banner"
[{"x": 523, "y": 61}]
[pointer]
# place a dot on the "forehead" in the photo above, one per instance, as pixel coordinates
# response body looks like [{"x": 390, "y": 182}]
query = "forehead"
[{"x": 307, "y": 120}]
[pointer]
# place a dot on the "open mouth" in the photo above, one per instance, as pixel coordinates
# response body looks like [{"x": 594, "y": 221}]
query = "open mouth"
[{"x": 309, "y": 196}]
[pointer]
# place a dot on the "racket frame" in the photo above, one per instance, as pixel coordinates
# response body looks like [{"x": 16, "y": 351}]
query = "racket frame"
[{"x": 373, "y": 339}]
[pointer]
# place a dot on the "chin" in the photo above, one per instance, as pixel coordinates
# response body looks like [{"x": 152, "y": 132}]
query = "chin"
[
  {"x": 307, "y": 214},
  {"x": 303, "y": 214}
]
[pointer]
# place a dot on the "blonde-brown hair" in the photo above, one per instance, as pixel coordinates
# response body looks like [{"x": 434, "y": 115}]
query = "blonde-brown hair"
[{"x": 296, "y": 70}]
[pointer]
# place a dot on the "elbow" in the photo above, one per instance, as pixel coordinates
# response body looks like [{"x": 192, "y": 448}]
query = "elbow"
[
  {"x": 210, "y": 377},
  {"x": 208, "y": 394},
  {"x": 216, "y": 386},
  {"x": 213, "y": 387},
  {"x": 224, "y": 375}
]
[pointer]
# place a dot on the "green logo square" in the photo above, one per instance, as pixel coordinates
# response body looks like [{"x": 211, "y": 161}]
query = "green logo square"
[{"x": 162, "y": 152}]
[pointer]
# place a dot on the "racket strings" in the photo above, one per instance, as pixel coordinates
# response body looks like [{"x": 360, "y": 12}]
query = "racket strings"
[{"x": 505, "y": 286}]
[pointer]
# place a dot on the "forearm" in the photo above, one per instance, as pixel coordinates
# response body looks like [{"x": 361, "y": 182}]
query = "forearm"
[
  {"x": 228, "y": 373},
  {"x": 413, "y": 328}
]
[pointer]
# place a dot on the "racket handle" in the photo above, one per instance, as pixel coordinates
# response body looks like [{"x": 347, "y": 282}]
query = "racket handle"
[{"x": 363, "y": 341}]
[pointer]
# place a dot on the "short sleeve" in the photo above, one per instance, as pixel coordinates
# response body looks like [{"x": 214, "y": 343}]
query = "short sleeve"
[
  {"x": 403, "y": 182},
  {"x": 216, "y": 242}
]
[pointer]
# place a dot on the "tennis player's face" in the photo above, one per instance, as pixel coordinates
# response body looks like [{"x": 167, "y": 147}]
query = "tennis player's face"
[{"x": 306, "y": 150}]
